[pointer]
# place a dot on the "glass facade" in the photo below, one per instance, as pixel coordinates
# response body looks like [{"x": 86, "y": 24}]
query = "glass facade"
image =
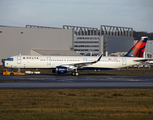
[{"x": 86, "y": 45}]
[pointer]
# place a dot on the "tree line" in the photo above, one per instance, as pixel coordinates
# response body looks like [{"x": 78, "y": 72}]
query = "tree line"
[{"x": 138, "y": 35}]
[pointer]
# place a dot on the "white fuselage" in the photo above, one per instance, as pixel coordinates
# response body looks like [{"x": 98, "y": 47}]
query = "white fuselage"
[{"x": 28, "y": 61}]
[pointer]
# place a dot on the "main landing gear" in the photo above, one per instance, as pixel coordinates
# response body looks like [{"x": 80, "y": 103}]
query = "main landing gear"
[{"x": 75, "y": 73}]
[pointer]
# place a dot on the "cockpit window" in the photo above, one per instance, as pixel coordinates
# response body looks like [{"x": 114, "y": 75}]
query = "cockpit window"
[{"x": 9, "y": 59}]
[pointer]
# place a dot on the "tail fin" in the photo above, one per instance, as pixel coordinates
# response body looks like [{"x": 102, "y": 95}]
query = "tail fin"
[{"x": 138, "y": 49}]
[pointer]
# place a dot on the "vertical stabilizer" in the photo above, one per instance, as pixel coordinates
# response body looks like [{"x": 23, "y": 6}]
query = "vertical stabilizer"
[{"x": 138, "y": 49}]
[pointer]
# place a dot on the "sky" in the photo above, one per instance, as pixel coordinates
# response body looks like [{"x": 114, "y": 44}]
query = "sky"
[{"x": 137, "y": 14}]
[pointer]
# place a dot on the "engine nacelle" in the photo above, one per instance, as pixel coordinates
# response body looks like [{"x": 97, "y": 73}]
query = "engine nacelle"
[{"x": 60, "y": 70}]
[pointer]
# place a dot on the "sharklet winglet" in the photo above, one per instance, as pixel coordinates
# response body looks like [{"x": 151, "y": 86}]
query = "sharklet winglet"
[{"x": 100, "y": 57}]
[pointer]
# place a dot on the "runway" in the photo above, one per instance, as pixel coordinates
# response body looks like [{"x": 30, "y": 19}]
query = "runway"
[{"x": 82, "y": 81}]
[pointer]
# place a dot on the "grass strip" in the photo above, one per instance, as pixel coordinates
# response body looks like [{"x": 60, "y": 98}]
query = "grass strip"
[{"x": 76, "y": 104}]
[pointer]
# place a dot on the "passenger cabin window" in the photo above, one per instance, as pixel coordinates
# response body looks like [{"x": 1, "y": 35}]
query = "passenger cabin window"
[{"x": 9, "y": 59}]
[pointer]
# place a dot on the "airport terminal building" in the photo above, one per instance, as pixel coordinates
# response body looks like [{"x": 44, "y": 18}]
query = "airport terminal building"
[{"x": 68, "y": 40}]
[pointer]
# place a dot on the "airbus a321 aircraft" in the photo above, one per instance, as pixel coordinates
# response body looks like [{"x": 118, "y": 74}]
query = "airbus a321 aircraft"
[{"x": 64, "y": 64}]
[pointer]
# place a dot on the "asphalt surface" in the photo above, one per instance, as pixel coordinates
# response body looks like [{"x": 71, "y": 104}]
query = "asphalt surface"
[{"x": 82, "y": 81}]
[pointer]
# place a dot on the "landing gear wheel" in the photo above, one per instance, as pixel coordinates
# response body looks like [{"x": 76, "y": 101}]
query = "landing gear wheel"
[
  {"x": 72, "y": 73},
  {"x": 75, "y": 74},
  {"x": 12, "y": 74}
]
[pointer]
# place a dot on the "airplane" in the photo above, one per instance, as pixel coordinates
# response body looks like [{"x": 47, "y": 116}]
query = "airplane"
[{"x": 64, "y": 64}]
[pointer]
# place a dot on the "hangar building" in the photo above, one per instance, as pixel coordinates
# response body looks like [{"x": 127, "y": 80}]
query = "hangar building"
[{"x": 16, "y": 40}]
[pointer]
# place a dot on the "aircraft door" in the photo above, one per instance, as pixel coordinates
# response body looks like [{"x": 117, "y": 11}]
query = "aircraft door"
[
  {"x": 123, "y": 61},
  {"x": 48, "y": 61},
  {"x": 19, "y": 59},
  {"x": 84, "y": 59}
]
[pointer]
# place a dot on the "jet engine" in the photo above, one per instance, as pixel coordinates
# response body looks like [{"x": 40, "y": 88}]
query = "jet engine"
[{"x": 60, "y": 70}]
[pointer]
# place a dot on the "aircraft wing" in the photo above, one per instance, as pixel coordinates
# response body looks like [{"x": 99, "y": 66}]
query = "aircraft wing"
[{"x": 80, "y": 65}]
